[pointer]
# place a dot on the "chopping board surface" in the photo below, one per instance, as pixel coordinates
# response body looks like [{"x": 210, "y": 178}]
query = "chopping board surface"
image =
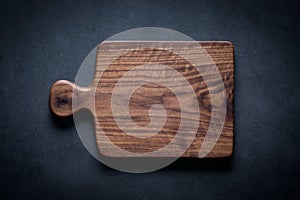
[{"x": 153, "y": 106}]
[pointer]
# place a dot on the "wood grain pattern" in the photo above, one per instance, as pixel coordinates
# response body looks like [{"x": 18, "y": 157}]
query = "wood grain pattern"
[{"x": 98, "y": 96}]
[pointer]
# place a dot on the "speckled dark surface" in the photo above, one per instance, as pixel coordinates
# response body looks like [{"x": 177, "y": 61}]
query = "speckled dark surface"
[{"x": 42, "y": 157}]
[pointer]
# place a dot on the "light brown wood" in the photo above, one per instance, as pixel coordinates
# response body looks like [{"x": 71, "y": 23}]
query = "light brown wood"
[
  {"x": 61, "y": 94},
  {"x": 149, "y": 94}
]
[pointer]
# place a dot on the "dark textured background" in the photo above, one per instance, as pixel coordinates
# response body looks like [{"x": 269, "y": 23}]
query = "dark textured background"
[{"x": 43, "y": 158}]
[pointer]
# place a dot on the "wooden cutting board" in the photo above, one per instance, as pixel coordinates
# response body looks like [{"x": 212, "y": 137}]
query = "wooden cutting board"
[{"x": 97, "y": 97}]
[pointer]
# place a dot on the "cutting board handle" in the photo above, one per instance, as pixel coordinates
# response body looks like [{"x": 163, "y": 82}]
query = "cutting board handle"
[{"x": 61, "y": 94}]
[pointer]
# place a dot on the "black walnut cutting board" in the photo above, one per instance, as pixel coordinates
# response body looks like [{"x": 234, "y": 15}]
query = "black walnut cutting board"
[{"x": 97, "y": 98}]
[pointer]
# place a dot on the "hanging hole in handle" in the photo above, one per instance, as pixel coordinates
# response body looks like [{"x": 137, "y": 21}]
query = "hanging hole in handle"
[{"x": 61, "y": 98}]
